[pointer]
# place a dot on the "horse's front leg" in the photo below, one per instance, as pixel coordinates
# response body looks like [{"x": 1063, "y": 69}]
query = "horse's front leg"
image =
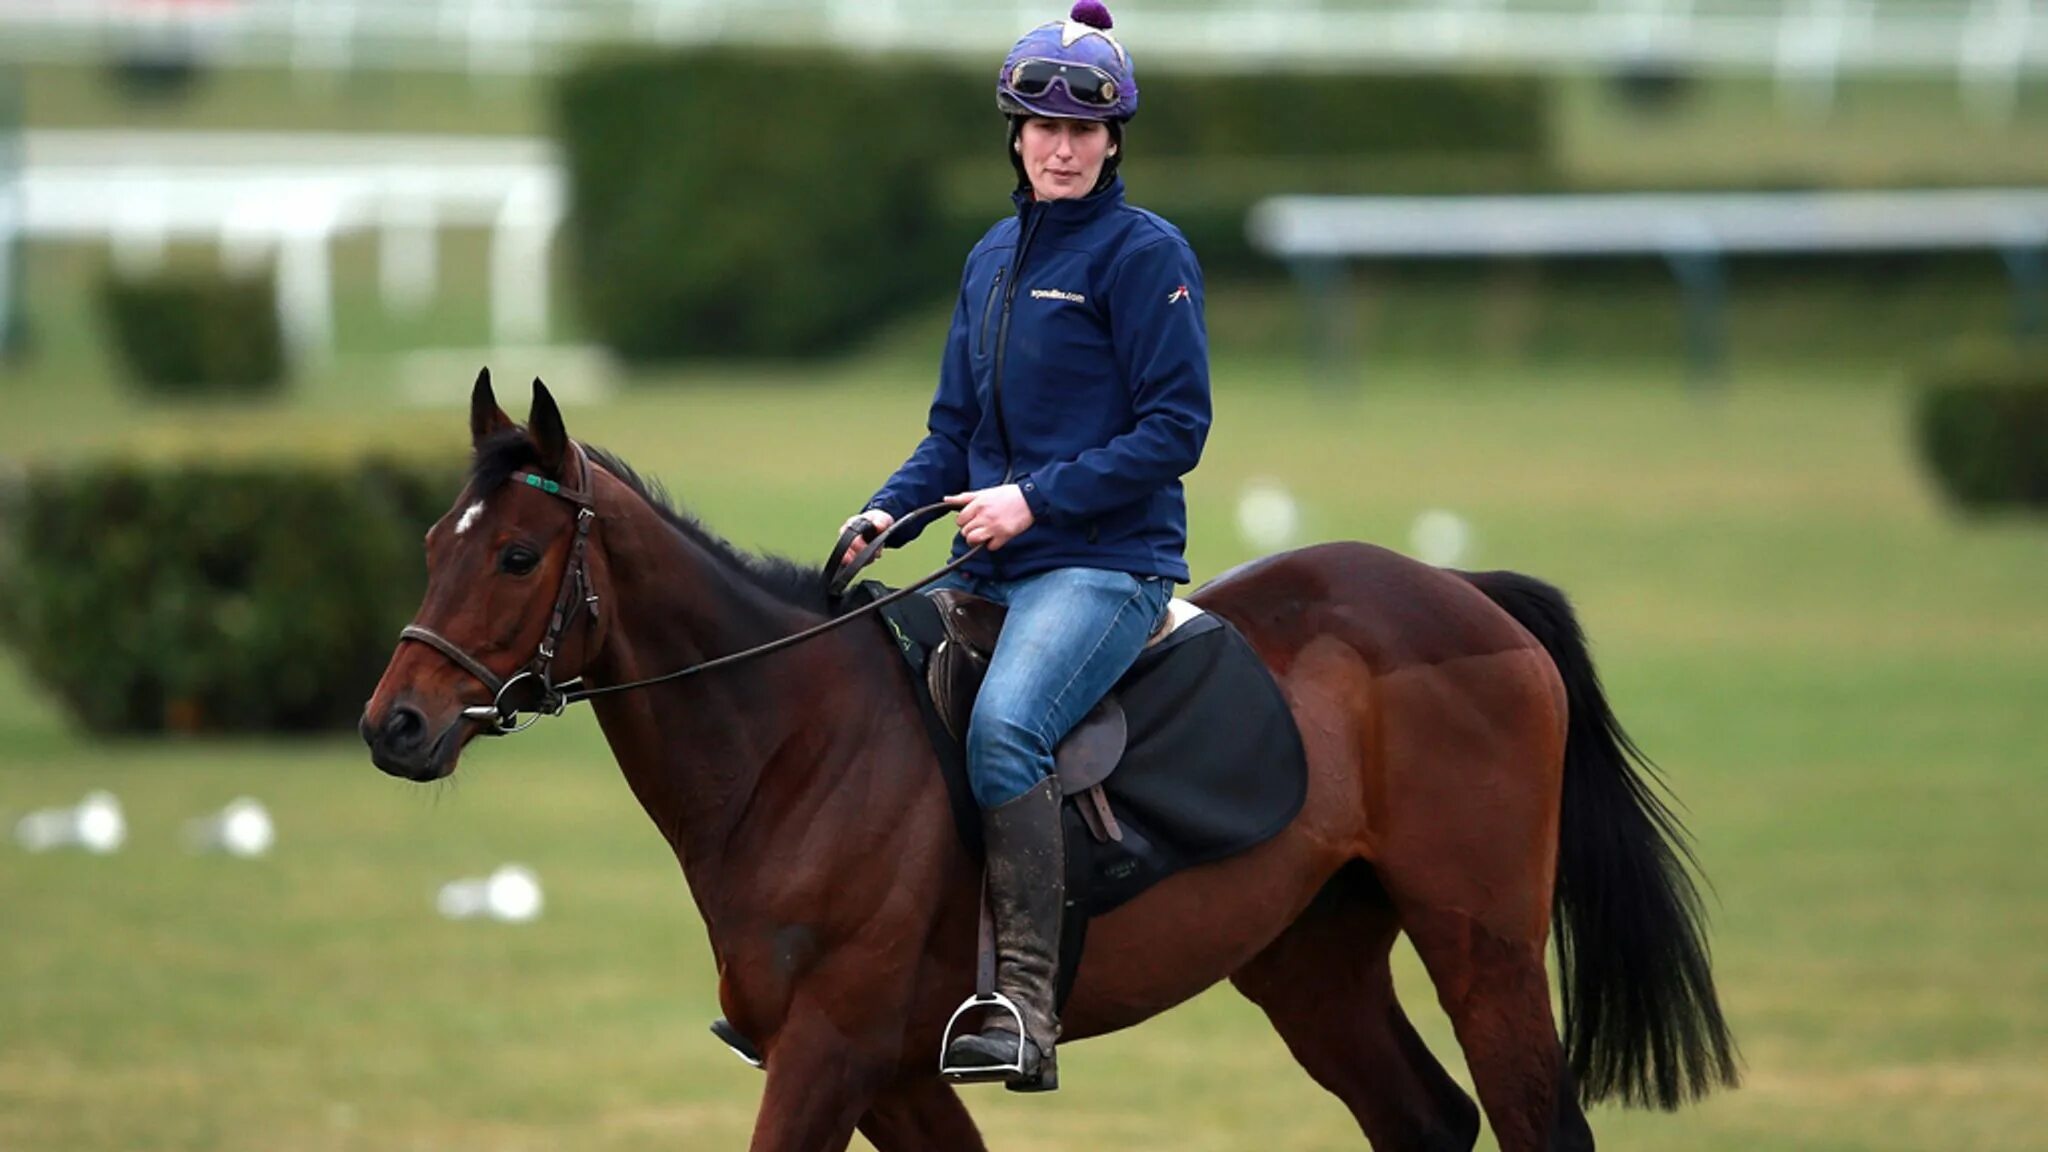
[
  {"x": 821, "y": 1081},
  {"x": 921, "y": 1114}
]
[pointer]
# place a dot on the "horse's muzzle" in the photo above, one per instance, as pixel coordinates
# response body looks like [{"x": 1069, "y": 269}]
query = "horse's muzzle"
[{"x": 405, "y": 746}]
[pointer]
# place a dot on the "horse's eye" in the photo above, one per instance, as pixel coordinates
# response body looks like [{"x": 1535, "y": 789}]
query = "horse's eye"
[{"x": 517, "y": 559}]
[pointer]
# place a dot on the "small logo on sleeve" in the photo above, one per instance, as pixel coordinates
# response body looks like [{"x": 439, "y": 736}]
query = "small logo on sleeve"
[{"x": 1177, "y": 295}]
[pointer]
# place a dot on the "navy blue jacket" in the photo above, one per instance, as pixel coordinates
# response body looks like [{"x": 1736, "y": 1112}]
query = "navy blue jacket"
[{"x": 1078, "y": 368}]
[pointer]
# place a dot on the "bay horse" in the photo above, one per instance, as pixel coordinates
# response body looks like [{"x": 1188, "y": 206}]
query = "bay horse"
[{"x": 1469, "y": 786}]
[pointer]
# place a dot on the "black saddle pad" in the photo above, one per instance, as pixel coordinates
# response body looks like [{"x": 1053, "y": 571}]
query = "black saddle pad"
[{"x": 1213, "y": 765}]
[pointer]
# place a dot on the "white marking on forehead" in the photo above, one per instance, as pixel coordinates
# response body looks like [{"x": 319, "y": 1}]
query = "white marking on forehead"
[{"x": 469, "y": 516}]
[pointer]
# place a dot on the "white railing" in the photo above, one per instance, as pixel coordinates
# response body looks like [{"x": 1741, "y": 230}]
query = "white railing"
[
  {"x": 1317, "y": 236},
  {"x": 1343, "y": 227},
  {"x": 286, "y": 198},
  {"x": 1988, "y": 43}
]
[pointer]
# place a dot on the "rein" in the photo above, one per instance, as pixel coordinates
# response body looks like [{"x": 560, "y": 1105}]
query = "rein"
[{"x": 576, "y": 595}]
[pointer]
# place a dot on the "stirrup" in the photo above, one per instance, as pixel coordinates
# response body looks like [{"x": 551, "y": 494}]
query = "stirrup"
[
  {"x": 978, "y": 1073},
  {"x": 740, "y": 1045}
]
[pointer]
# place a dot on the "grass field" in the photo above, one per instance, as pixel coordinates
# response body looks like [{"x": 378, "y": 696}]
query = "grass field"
[{"x": 1843, "y": 681}]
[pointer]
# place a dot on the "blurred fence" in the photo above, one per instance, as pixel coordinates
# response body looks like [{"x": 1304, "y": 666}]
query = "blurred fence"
[
  {"x": 1989, "y": 44},
  {"x": 1314, "y": 235},
  {"x": 264, "y": 196}
]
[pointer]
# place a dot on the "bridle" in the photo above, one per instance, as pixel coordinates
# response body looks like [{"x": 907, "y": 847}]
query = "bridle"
[{"x": 576, "y": 596}]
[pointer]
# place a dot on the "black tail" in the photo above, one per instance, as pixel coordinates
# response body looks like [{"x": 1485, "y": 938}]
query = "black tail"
[{"x": 1641, "y": 1018}]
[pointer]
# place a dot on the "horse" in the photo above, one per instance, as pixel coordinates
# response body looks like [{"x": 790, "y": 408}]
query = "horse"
[{"x": 1468, "y": 786}]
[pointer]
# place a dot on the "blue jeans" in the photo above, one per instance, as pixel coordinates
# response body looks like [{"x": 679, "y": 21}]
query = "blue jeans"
[{"x": 1070, "y": 635}]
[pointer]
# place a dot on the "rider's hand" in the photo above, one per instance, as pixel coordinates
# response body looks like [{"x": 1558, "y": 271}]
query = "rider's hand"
[
  {"x": 875, "y": 516},
  {"x": 992, "y": 516}
]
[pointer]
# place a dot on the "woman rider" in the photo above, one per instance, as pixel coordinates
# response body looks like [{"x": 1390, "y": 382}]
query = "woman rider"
[{"x": 1073, "y": 396}]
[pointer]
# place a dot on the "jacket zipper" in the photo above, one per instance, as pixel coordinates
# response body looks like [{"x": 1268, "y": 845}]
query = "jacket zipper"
[
  {"x": 1003, "y": 342},
  {"x": 988, "y": 310}
]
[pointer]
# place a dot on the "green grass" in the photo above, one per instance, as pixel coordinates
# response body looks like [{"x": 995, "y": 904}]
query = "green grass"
[
  {"x": 1842, "y": 680},
  {"x": 1840, "y": 322}
]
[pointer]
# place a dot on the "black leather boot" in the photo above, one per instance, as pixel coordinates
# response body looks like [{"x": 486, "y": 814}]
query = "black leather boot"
[{"x": 1027, "y": 894}]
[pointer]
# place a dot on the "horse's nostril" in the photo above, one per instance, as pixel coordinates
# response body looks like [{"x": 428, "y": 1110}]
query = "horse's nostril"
[{"x": 405, "y": 728}]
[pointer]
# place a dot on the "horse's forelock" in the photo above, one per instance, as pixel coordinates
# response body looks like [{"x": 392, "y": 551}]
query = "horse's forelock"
[{"x": 497, "y": 458}]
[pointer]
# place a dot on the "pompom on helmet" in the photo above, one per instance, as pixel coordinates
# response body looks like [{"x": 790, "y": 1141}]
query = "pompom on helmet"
[{"x": 1070, "y": 69}]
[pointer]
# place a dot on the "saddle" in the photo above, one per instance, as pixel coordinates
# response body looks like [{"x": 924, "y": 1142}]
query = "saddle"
[{"x": 1087, "y": 755}]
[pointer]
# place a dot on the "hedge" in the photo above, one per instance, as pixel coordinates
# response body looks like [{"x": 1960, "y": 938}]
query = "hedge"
[
  {"x": 773, "y": 203},
  {"x": 215, "y": 597},
  {"x": 188, "y": 332},
  {"x": 719, "y": 205},
  {"x": 1982, "y": 428}
]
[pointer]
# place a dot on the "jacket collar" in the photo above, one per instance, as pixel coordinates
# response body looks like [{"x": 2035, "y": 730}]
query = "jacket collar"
[{"x": 1071, "y": 213}]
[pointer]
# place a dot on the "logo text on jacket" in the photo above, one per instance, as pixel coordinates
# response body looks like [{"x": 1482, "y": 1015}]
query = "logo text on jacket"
[{"x": 1056, "y": 294}]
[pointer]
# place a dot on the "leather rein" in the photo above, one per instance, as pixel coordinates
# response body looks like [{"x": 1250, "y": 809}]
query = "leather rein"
[{"x": 576, "y": 596}]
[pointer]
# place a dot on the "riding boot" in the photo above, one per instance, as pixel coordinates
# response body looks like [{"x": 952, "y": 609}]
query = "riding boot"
[{"x": 1027, "y": 893}]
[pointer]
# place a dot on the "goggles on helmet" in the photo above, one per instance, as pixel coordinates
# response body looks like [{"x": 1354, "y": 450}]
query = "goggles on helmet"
[{"x": 1086, "y": 83}]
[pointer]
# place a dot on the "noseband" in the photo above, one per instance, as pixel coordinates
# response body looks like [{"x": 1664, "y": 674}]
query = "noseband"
[{"x": 576, "y": 594}]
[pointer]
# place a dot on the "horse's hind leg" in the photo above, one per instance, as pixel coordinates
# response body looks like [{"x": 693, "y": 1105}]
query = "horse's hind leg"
[
  {"x": 921, "y": 1115},
  {"x": 1472, "y": 882},
  {"x": 1497, "y": 995},
  {"x": 1326, "y": 986}
]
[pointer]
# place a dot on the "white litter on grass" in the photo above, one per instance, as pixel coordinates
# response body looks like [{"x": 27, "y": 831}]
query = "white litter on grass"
[
  {"x": 95, "y": 825},
  {"x": 242, "y": 829},
  {"x": 1441, "y": 537},
  {"x": 511, "y": 894},
  {"x": 1267, "y": 515}
]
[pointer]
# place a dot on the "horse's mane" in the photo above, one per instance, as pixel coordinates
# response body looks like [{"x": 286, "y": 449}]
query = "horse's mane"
[{"x": 800, "y": 585}]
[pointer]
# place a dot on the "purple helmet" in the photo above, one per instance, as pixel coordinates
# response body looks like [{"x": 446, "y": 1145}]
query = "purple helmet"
[{"x": 1070, "y": 69}]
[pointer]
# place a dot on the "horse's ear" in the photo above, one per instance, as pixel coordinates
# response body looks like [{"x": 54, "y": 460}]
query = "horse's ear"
[
  {"x": 544, "y": 424},
  {"x": 485, "y": 417}
]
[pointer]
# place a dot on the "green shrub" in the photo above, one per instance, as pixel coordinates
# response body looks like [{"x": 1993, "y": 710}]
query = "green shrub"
[
  {"x": 258, "y": 597},
  {"x": 728, "y": 203},
  {"x": 774, "y": 203},
  {"x": 1983, "y": 431},
  {"x": 190, "y": 332}
]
